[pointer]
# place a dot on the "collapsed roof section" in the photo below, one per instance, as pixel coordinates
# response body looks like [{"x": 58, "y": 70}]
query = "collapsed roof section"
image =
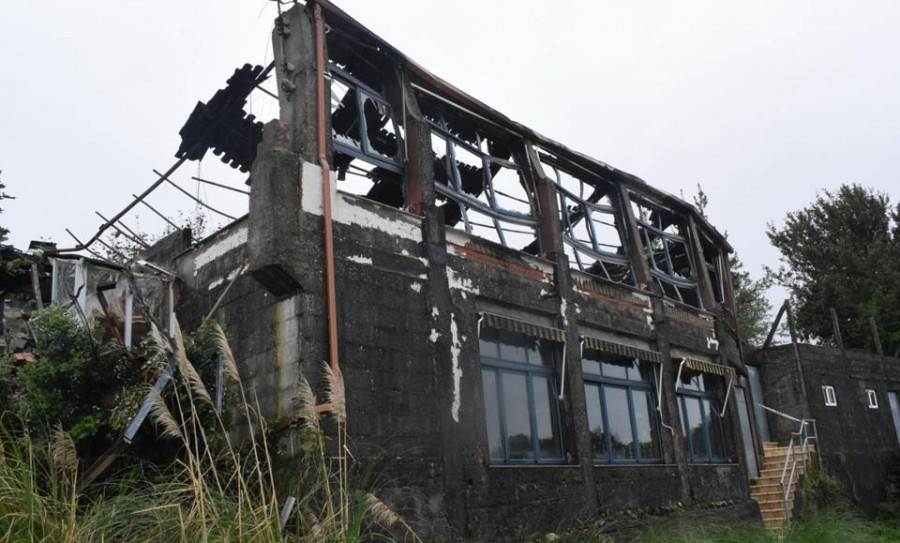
[
  {"x": 402, "y": 137},
  {"x": 377, "y": 63}
]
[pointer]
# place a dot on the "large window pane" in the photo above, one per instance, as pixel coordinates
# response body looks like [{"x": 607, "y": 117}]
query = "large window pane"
[
  {"x": 595, "y": 422},
  {"x": 590, "y": 366},
  {"x": 492, "y": 414},
  {"x": 546, "y": 419},
  {"x": 619, "y": 423},
  {"x": 511, "y": 350},
  {"x": 488, "y": 346},
  {"x": 65, "y": 280},
  {"x": 716, "y": 438},
  {"x": 895, "y": 412},
  {"x": 645, "y": 421},
  {"x": 616, "y": 370},
  {"x": 695, "y": 433},
  {"x": 518, "y": 424}
]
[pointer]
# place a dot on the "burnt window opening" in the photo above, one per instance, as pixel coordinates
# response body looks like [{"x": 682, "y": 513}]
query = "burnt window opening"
[
  {"x": 591, "y": 228},
  {"x": 482, "y": 186},
  {"x": 713, "y": 263},
  {"x": 667, "y": 251},
  {"x": 366, "y": 140}
]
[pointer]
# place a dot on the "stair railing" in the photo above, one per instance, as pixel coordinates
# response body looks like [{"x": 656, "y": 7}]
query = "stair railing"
[{"x": 806, "y": 433}]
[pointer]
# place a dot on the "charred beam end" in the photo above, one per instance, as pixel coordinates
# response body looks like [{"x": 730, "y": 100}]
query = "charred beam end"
[{"x": 223, "y": 126}]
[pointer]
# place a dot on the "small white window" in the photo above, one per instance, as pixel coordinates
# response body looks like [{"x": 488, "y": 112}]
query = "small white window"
[
  {"x": 873, "y": 398},
  {"x": 830, "y": 398}
]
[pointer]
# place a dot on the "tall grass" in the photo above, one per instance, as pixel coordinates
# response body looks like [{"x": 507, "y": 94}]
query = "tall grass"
[{"x": 215, "y": 490}]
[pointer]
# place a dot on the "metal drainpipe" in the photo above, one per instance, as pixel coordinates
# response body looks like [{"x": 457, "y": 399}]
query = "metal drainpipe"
[{"x": 326, "y": 191}]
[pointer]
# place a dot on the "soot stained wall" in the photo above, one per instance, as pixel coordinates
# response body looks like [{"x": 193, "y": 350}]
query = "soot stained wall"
[{"x": 857, "y": 444}]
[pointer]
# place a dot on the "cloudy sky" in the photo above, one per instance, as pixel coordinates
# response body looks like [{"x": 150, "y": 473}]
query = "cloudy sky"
[{"x": 764, "y": 103}]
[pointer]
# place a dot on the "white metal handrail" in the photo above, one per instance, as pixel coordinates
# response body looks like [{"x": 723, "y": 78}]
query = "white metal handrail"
[{"x": 803, "y": 436}]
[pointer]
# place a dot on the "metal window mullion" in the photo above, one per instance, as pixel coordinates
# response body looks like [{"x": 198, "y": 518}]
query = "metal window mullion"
[
  {"x": 500, "y": 233},
  {"x": 709, "y": 453},
  {"x": 517, "y": 366},
  {"x": 665, "y": 242},
  {"x": 634, "y": 432},
  {"x": 363, "y": 128},
  {"x": 590, "y": 226},
  {"x": 686, "y": 422},
  {"x": 504, "y": 434},
  {"x": 488, "y": 186},
  {"x": 532, "y": 417},
  {"x": 457, "y": 182},
  {"x": 649, "y": 247},
  {"x": 608, "y": 436}
]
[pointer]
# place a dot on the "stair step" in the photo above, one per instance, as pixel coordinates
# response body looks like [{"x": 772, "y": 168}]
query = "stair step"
[
  {"x": 768, "y": 496},
  {"x": 773, "y": 514},
  {"x": 774, "y": 505},
  {"x": 771, "y": 472},
  {"x": 758, "y": 490}
]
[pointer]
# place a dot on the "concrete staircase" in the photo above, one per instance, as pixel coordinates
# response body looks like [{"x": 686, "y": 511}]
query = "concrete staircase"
[{"x": 767, "y": 490}]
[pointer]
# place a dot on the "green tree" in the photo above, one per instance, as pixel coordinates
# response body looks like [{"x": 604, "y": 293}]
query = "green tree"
[
  {"x": 752, "y": 307},
  {"x": 841, "y": 252}
]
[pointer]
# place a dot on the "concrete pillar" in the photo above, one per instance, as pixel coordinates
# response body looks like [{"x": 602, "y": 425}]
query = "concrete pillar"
[
  {"x": 673, "y": 439},
  {"x": 574, "y": 402},
  {"x": 420, "y": 176},
  {"x": 294, "y": 47}
]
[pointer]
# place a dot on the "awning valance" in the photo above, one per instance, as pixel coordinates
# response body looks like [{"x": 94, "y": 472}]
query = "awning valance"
[
  {"x": 620, "y": 349},
  {"x": 709, "y": 367},
  {"x": 512, "y": 325}
]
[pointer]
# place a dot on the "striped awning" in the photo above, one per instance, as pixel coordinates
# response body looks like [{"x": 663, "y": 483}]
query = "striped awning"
[
  {"x": 709, "y": 367},
  {"x": 512, "y": 325},
  {"x": 620, "y": 349}
]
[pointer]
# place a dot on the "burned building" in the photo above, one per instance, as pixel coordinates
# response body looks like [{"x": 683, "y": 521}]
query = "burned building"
[{"x": 528, "y": 336}]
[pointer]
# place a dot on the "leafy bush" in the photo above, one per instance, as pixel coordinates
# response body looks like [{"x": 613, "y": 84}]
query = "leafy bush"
[
  {"x": 821, "y": 492},
  {"x": 91, "y": 385},
  {"x": 212, "y": 492},
  {"x": 75, "y": 378}
]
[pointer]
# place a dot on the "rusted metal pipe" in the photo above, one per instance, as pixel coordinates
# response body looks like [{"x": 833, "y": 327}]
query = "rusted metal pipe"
[
  {"x": 165, "y": 178},
  {"x": 132, "y": 236},
  {"x": 326, "y": 191},
  {"x": 119, "y": 215}
]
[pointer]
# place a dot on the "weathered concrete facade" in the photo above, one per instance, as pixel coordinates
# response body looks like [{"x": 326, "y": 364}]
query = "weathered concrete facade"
[
  {"x": 858, "y": 439},
  {"x": 418, "y": 281}
]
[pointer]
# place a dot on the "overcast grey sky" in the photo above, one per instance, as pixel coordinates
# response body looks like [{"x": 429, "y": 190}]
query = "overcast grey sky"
[{"x": 763, "y": 103}]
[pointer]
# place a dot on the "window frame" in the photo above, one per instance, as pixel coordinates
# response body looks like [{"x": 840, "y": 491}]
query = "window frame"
[
  {"x": 592, "y": 248},
  {"x": 600, "y": 382},
  {"x": 872, "y": 397},
  {"x": 668, "y": 275},
  {"x": 453, "y": 191},
  {"x": 365, "y": 151},
  {"x": 832, "y": 402},
  {"x": 499, "y": 366},
  {"x": 712, "y": 400}
]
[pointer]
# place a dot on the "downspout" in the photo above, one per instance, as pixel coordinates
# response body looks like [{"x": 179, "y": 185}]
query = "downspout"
[{"x": 326, "y": 192}]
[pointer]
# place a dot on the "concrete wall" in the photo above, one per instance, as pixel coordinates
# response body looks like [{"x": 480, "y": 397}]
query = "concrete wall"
[
  {"x": 857, "y": 444},
  {"x": 420, "y": 425}
]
